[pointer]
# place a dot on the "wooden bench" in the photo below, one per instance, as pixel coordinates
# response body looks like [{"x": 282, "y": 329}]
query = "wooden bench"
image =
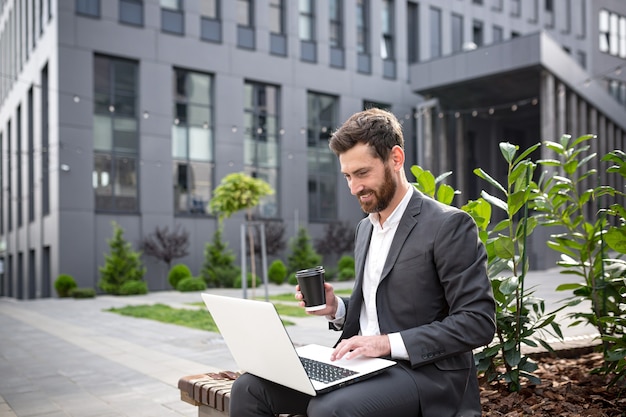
[{"x": 210, "y": 392}]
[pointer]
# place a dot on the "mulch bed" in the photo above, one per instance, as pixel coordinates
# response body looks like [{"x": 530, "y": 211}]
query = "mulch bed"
[{"x": 568, "y": 388}]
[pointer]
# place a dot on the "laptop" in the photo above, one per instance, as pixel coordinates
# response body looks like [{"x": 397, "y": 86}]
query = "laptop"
[{"x": 260, "y": 344}]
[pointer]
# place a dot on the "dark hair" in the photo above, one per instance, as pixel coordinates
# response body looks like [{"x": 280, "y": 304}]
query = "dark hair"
[{"x": 377, "y": 128}]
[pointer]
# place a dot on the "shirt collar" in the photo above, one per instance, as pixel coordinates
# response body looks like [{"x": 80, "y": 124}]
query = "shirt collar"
[{"x": 396, "y": 215}]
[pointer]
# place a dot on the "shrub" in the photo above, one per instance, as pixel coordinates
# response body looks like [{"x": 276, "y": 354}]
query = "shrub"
[
  {"x": 302, "y": 256},
  {"x": 83, "y": 293},
  {"x": 219, "y": 268},
  {"x": 121, "y": 266},
  {"x": 177, "y": 273},
  {"x": 133, "y": 288},
  {"x": 291, "y": 279},
  {"x": 346, "y": 268},
  {"x": 64, "y": 285},
  {"x": 189, "y": 284},
  {"x": 277, "y": 272},
  {"x": 237, "y": 282}
]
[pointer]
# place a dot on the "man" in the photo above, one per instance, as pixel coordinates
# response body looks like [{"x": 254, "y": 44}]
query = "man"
[{"x": 421, "y": 296}]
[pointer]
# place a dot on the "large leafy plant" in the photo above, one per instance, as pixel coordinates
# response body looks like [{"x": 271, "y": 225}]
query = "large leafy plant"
[{"x": 565, "y": 200}]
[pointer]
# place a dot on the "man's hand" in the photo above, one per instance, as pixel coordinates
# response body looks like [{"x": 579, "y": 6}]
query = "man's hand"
[
  {"x": 331, "y": 301},
  {"x": 371, "y": 346}
]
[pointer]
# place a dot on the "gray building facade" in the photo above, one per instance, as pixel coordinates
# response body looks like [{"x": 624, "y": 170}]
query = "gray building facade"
[{"x": 133, "y": 111}]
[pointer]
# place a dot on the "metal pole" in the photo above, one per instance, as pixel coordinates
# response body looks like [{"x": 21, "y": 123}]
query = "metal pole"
[
  {"x": 244, "y": 280},
  {"x": 264, "y": 261}
]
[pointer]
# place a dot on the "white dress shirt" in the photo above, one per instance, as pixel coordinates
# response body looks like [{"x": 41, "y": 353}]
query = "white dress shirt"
[{"x": 382, "y": 236}]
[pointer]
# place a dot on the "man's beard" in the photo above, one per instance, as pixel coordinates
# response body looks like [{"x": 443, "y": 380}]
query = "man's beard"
[{"x": 382, "y": 197}]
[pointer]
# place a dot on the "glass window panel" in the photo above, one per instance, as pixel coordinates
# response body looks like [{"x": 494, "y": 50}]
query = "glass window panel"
[
  {"x": 249, "y": 151},
  {"x": 328, "y": 198},
  {"x": 180, "y": 113},
  {"x": 102, "y": 133},
  {"x": 88, "y": 7},
  {"x": 276, "y": 16},
  {"x": 124, "y": 105},
  {"x": 171, "y": 4},
  {"x": 131, "y": 11},
  {"x": 125, "y": 135},
  {"x": 622, "y": 37},
  {"x": 199, "y": 88},
  {"x": 305, "y": 28},
  {"x": 614, "y": 37},
  {"x": 435, "y": 32},
  {"x": 208, "y": 8},
  {"x": 244, "y": 13},
  {"x": 101, "y": 179},
  {"x": 271, "y": 127},
  {"x": 306, "y": 6},
  {"x": 125, "y": 186},
  {"x": 200, "y": 187},
  {"x": 248, "y": 125},
  {"x": 198, "y": 116},
  {"x": 179, "y": 142},
  {"x": 200, "y": 146}
]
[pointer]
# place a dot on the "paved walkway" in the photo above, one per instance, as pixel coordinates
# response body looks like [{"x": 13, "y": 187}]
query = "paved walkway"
[{"x": 67, "y": 357}]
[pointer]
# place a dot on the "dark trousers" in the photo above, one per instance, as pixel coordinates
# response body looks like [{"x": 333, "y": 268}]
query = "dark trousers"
[{"x": 392, "y": 393}]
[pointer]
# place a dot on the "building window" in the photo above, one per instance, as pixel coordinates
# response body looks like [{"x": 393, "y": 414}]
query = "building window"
[
  {"x": 19, "y": 159},
  {"x": 277, "y": 16},
  {"x": 245, "y": 24},
  {"x": 457, "y": 33},
  {"x": 116, "y": 137},
  {"x": 497, "y": 5},
  {"x": 277, "y": 23},
  {"x": 89, "y": 8},
  {"x": 336, "y": 34},
  {"x": 172, "y": 17},
  {"x": 498, "y": 34},
  {"x": 435, "y": 32},
  {"x": 210, "y": 21},
  {"x": 192, "y": 141},
  {"x": 516, "y": 8},
  {"x": 9, "y": 182},
  {"x": 306, "y": 31},
  {"x": 612, "y": 33},
  {"x": 336, "y": 24},
  {"x": 413, "y": 32},
  {"x": 31, "y": 157},
  {"x": 387, "y": 41},
  {"x": 549, "y": 6},
  {"x": 262, "y": 141},
  {"x": 45, "y": 166},
  {"x": 131, "y": 12},
  {"x": 477, "y": 33},
  {"x": 322, "y": 165},
  {"x": 363, "y": 36}
]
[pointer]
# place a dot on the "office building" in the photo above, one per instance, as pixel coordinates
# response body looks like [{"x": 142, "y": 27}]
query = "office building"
[{"x": 132, "y": 111}]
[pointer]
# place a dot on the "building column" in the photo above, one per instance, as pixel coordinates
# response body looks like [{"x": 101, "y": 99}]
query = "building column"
[
  {"x": 460, "y": 161},
  {"x": 547, "y": 112}
]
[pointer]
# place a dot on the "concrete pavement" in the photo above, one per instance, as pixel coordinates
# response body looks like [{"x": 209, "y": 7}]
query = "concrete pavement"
[{"x": 67, "y": 357}]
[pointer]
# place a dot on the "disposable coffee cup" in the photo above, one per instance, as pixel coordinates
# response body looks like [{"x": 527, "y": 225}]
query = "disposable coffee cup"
[{"x": 311, "y": 283}]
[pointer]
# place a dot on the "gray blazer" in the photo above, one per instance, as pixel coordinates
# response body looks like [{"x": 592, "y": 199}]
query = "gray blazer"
[{"x": 435, "y": 291}]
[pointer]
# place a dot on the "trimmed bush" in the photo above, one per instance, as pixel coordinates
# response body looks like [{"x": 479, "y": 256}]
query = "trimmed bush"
[
  {"x": 277, "y": 272},
  {"x": 133, "y": 288},
  {"x": 64, "y": 284},
  {"x": 346, "y": 268},
  {"x": 177, "y": 273},
  {"x": 237, "y": 283},
  {"x": 189, "y": 284},
  {"x": 83, "y": 293},
  {"x": 302, "y": 255}
]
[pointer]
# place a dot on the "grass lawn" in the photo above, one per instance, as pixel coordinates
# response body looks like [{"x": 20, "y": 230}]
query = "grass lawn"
[{"x": 194, "y": 318}]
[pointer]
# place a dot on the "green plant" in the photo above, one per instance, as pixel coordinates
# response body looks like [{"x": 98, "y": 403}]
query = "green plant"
[
  {"x": 64, "y": 284},
  {"x": 338, "y": 239},
  {"x": 277, "y": 272},
  {"x": 568, "y": 195},
  {"x": 346, "y": 268},
  {"x": 83, "y": 293},
  {"x": 177, "y": 273},
  {"x": 520, "y": 317},
  {"x": 133, "y": 288},
  {"x": 188, "y": 284},
  {"x": 122, "y": 265},
  {"x": 219, "y": 269},
  {"x": 302, "y": 255},
  {"x": 239, "y": 191},
  {"x": 250, "y": 282}
]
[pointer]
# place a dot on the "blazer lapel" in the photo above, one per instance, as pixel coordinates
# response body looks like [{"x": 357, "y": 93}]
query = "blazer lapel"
[{"x": 407, "y": 223}]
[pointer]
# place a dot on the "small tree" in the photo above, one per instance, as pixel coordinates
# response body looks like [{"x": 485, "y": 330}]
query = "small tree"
[
  {"x": 165, "y": 245},
  {"x": 338, "y": 239},
  {"x": 219, "y": 269},
  {"x": 239, "y": 191},
  {"x": 302, "y": 255},
  {"x": 122, "y": 265}
]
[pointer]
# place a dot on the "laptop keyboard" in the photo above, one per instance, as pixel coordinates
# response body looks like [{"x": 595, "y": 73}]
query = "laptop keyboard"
[{"x": 324, "y": 372}]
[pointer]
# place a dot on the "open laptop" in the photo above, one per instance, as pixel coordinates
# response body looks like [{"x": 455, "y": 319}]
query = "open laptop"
[{"x": 260, "y": 345}]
